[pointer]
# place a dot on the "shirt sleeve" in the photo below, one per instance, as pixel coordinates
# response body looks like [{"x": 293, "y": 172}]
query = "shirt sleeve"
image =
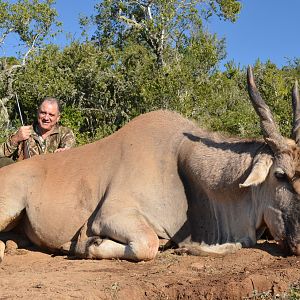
[
  {"x": 68, "y": 139},
  {"x": 8, "y": 149}
]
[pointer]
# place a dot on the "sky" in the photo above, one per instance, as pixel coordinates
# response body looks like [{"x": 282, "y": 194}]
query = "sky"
[{"x": 265, "y": 29}]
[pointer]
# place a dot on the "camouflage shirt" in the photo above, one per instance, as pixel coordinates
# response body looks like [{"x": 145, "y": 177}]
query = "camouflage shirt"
[{"x": 61, "y": 137}]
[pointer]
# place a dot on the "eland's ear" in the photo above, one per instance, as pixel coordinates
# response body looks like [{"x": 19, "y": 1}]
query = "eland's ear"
[{"x": 260, "y": 170}]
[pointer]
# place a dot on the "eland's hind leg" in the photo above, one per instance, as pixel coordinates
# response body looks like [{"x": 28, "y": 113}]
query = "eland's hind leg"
[
  {"x": 126, "y": 235},
  {"x": 13, "y": 191},
  {"x": 10, "y": 213}
]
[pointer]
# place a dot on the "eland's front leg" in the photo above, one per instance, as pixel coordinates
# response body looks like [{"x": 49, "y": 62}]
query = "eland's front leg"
[{"x": 125, "y": 235}]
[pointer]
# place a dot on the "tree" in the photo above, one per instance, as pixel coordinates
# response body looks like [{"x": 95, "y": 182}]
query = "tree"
[
  {"x": 159, "y": 24},
  {"x": 95, "y": 94},
  {"x": 31, "y": 22}
]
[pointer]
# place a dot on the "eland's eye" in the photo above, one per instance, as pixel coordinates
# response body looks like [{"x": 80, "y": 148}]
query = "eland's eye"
[{"x": 280, "y": 174}]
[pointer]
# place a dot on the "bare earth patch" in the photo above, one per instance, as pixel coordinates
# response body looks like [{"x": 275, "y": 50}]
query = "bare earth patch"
[{"x": 259, "y": 273}]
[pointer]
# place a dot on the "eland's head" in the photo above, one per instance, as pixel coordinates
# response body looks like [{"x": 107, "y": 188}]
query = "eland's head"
[{"x": 277, "y": 176}]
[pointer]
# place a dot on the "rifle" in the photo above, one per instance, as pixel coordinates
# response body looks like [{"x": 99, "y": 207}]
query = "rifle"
[{"x": 25, "y": 143}]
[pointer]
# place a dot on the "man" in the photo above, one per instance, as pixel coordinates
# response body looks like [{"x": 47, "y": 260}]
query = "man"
[{"x": 44, "y": 136}]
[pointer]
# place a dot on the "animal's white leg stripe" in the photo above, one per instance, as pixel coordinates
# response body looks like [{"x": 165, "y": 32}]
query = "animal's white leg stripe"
[
  {"x": 110, "y": 249},
  {"x": 213, "y": 250},
  {"x": 98, "y": 248}
]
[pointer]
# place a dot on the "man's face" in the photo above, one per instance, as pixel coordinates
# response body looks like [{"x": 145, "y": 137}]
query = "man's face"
[{"x": 48, "y": 115}]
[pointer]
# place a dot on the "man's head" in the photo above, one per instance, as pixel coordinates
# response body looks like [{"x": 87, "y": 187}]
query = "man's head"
[{"x": 48, "y": 114}]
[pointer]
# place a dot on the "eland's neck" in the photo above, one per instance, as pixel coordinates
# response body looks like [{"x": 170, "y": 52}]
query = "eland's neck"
[{"x": 213, "y": 168}]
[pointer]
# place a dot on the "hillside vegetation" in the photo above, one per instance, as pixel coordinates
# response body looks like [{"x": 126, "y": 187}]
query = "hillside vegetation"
[{"x": 143, "y": 56}]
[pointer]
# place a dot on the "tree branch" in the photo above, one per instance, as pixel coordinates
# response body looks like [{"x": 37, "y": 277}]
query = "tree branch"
[
  {"x": 131, "y": 22},
  {"x": 32, "y": 47},
  {"x": 5, "y": 34}
]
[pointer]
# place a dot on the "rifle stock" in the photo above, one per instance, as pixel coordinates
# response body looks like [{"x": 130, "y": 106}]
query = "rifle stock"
[{"x": 26, "y": 149}]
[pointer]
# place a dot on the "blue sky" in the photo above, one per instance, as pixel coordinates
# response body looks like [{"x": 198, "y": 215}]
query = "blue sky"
[
  {"x": 265, "y": 29},
  {"x": 69, "y": 12}
]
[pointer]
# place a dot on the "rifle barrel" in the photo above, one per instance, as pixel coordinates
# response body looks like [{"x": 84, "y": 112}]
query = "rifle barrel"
[
  {"x": 20, "y": 112},
  {"x": 25, "y": 143}
]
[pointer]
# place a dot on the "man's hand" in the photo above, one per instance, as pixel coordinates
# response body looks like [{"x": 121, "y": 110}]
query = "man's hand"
[
  {"x": 61, "y": 149},
  {"x": 22, "y": 134}
]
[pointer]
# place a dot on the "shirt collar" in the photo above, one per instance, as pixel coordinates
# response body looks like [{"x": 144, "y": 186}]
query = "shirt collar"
[{"x": 36, "y": 130}]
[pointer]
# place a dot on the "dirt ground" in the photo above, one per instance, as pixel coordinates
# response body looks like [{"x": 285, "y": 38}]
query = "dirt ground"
[{"x": 258, "y": 273}]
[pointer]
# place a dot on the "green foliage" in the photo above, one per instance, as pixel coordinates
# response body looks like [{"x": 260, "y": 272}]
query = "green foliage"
[
  {"x": 101, "y": 90},
  {"x": 158, "y": 25},
  {"x": 30, "y": 20},
  {"x": 226, "y": 9},
  {"x": 275, "y": 87},
  {"x": 227, "y": 107},
  {"x": 104, "y": 85},
  {"x": 294, "y": 293},
  {"x": 73, "y": 118},
  {"x": 231, "y": 108}
]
